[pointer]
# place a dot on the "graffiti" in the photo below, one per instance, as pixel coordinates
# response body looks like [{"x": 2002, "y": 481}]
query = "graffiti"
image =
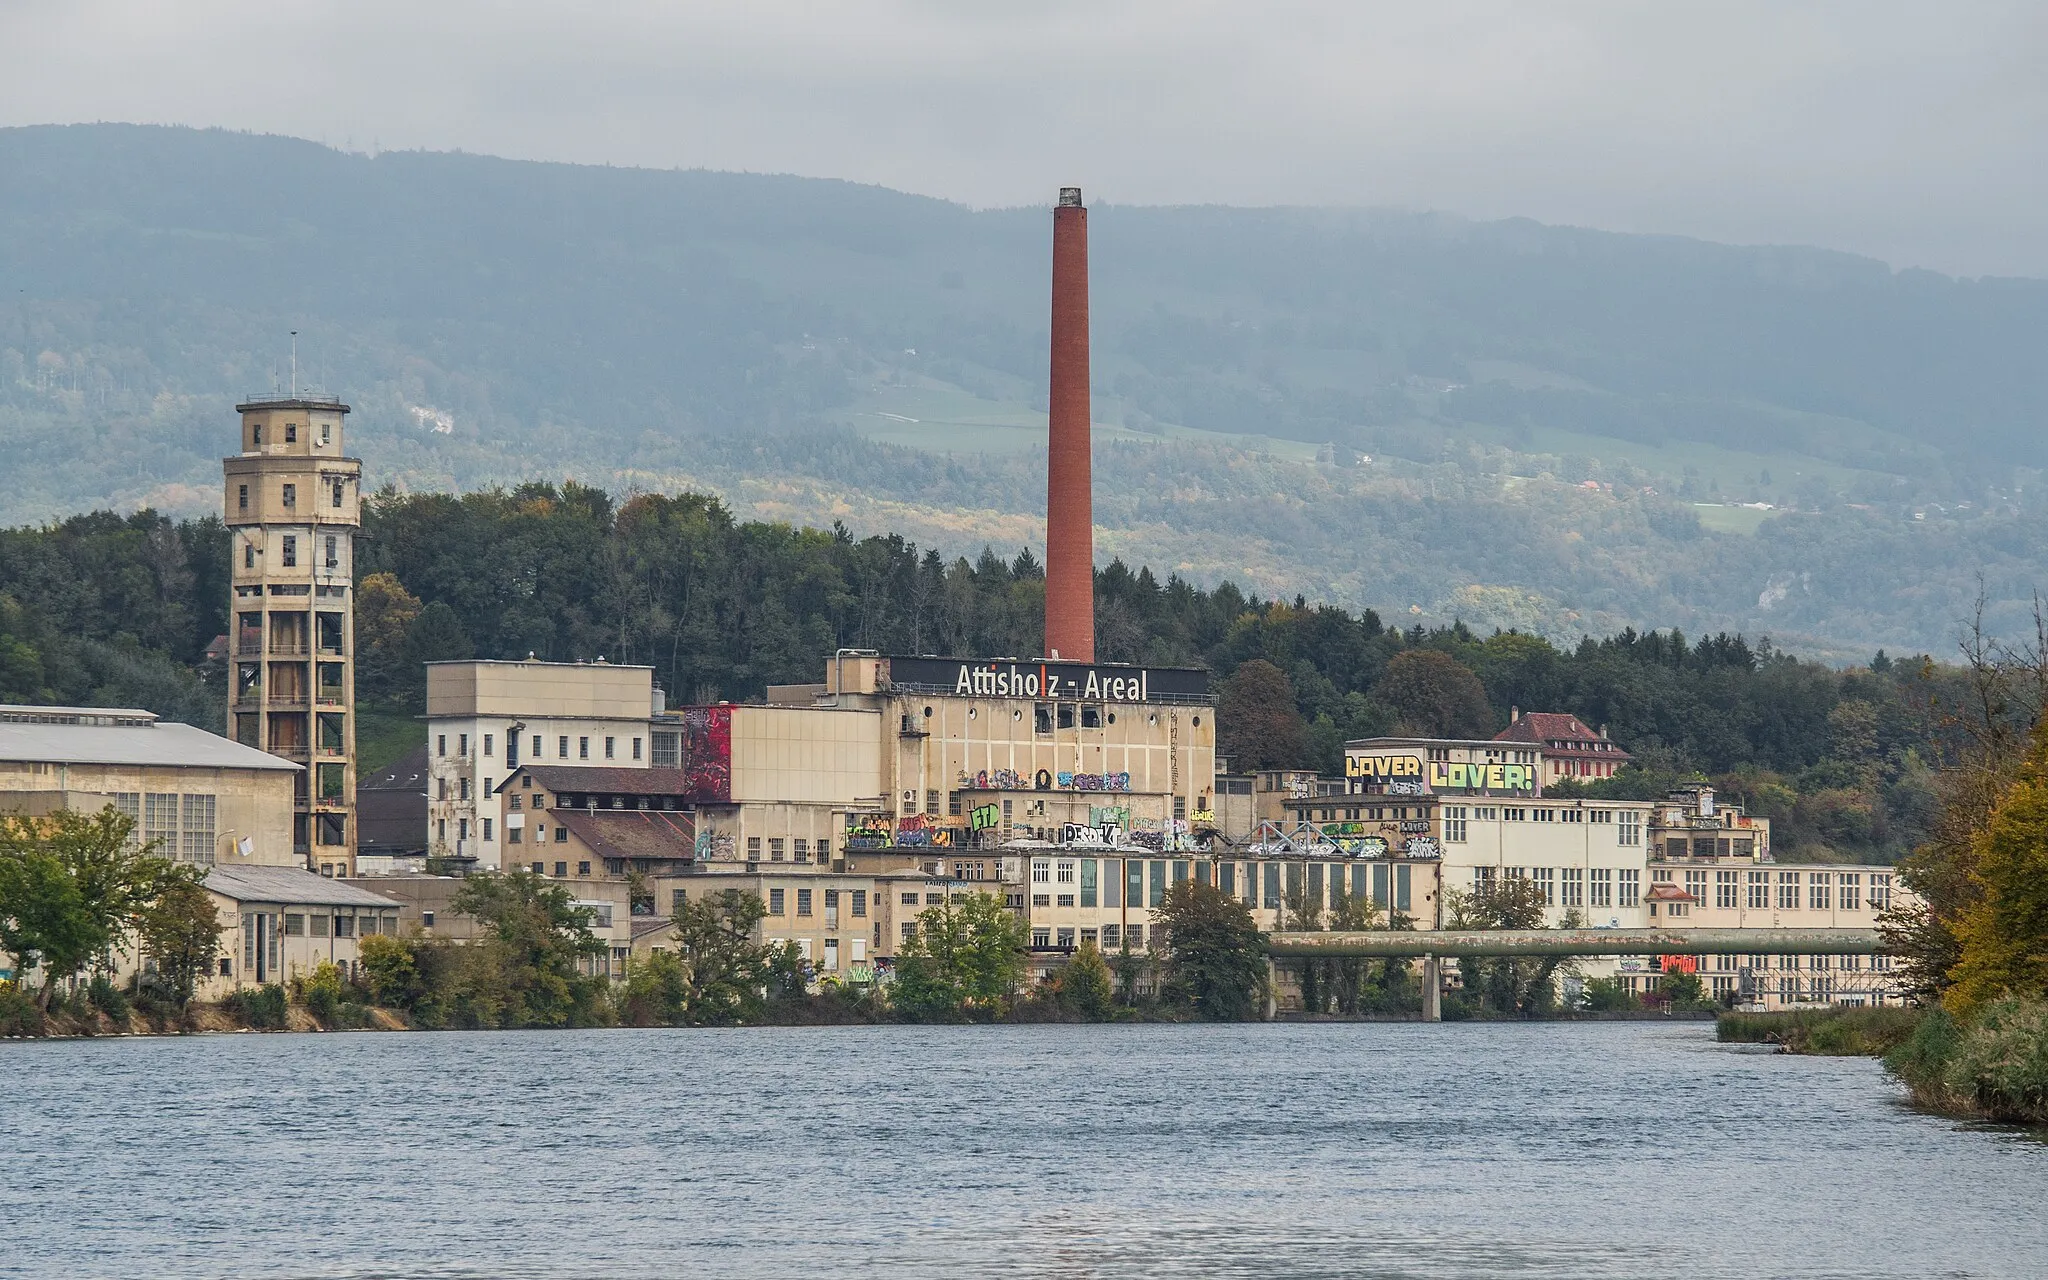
[
  {"x": 1384, "y": 768},
  {"x": 1102, "y": 815},
  {"x": 1405, "y": 787},
  {"x": 993, "y": 780},
  {"x": 983, "y": 817},
  {"x": 1422, "y": 847},
  {"x": 707, "y": 754},
  {"x": 1170, "y": 835},
  {"x": 1372, "y": 847},
  {"x": 1514, "y": 778},
  {"x": 1203, "y": 817},
  {"x": 1082, "y": 836},
  {"x": 714, "y": 846},
  {"x": 870, "y": 831},
  {"x": 1095, "y": 781}
]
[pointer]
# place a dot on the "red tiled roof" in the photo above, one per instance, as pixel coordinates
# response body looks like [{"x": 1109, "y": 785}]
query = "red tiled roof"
[
  {"x": 1665, "y": 891},
  {"x": 633, "y": 833},
  {"x": 1545, "y": 727}
]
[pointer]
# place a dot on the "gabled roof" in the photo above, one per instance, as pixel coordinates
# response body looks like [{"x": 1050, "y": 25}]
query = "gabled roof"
[
  {"x": 291, "y": 886},
  {"x": 1665, "y": 891},
  {"x": 633, "y": 833},
  {"x": 408, "y": 774},
  {"x": 1545, "y": 727},
  {"x": 608, "y": 780}
]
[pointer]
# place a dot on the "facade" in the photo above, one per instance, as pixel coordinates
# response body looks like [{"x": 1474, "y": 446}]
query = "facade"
[
  {"x": 1692, "y": 822},
  {"x": 486, "y": 718},
  {"x": 204, "y": 799},
  {"x": 293, "y": 506},
  {"x": 425, "y": 906},
  {"x": 280, "y": 923},
  {"x": 1568, "y": 748}
]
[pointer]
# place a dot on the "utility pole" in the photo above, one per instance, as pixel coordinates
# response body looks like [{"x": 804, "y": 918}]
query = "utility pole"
[{"x": 295, "y": 363}]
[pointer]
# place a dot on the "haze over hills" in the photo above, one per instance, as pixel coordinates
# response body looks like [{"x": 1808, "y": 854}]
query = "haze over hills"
[{"x": 1512, "y": 423}]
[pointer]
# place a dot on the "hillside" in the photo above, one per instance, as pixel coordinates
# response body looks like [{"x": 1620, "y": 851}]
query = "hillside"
[{"x": 1504, "y": 422}]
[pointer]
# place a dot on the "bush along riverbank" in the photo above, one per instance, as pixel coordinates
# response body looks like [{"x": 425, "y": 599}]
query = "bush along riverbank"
[{"x": 1991, "y": 1065}]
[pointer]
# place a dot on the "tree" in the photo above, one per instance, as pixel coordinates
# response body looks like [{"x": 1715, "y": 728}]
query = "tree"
[
  {"x": 1682, "y": 990},
  {"x": 727, "y": 970},
  {"x": 1258, "y": 723},
  {"x": 1086, "y": 986},
  {"x": 71, "y": 888},
  {"x": 1505, "y": 984},
  {"x": 1435, "y": 695},
  {"x": 529, "y": 964},
  {"x": 657, "y": 991},
  {"x": 391, "y": 970},
  {"x": 384, "y": 612},
  {"x": 966, "y": 961},
  {"x": 2003, "y": 936},
  {"x": 1215, "y": 955},
  {"x": 179, "y": 932}
]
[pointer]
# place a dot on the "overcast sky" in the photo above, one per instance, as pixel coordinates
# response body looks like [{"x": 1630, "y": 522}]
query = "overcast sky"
[{"x": 1917, "y": 133}]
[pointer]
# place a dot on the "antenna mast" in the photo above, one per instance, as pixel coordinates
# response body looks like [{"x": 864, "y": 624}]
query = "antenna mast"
[{"x": 295, "y": 364}]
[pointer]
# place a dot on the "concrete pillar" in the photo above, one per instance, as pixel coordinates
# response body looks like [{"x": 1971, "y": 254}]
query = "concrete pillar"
[
  {"x": 1432, "y": 991},
  {"x": 1272, "y": 990}
]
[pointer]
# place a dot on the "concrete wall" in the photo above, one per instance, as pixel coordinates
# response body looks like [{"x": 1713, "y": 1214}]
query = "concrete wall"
[{"x": 252, "y": 803}]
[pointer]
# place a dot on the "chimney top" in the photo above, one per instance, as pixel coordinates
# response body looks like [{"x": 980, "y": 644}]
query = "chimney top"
[{"x": 1070, "y": 197}]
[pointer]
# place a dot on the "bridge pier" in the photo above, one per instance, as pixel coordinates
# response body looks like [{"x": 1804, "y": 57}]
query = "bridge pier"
[
  {"x": 1272, "y": 989},
  {"x": 1432, "y": 990}
]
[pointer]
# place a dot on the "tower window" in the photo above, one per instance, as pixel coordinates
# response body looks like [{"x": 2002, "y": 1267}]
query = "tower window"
[
  {"x": 291, "y": 495},
  {"x": 242, "y": 498},
  {"x": 248, "y": 555},
  {"x": 333, "y": 551},
  {"x": 337, "y": 493},
  {"x": 291, "y": 433},
  {"x": 327, "y": 436},
  {"x": 256, "y": 434},
  {"x": 291, "y": 548}
]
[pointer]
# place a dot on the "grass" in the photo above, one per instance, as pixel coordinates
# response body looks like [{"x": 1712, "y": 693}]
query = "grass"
[
  {"x": 383, "y": 737},
  {"x": 1724, "y": 519},
  {"x": 1838, "y": 1032}
]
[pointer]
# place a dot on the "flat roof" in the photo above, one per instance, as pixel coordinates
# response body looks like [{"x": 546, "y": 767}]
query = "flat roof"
[
  {"x": 107, "y": 736},
  {"x": 535, "y": 662}
]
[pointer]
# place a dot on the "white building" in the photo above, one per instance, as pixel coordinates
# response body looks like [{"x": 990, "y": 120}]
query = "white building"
[{"x": 485, "y": 719}]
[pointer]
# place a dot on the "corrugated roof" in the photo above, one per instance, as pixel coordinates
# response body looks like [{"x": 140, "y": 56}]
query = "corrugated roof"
[
  {"x": 609, "y": 780},
  {"x": 290, "y": 885},
  {"x": 162, "y": 743},
  {"x": 633, "y": 833}
]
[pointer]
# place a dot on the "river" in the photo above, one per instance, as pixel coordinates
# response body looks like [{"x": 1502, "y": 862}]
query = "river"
[{"x": 1384, "y": 1150}]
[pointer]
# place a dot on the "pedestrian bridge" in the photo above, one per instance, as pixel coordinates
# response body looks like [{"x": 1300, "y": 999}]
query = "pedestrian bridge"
[
  {"x": 1434, "y": 945},
  {"x": 1576, "y": 942}
]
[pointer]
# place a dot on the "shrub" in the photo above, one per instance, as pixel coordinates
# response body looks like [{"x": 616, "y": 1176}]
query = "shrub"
[
  {"x": 1844, "y": 1031},
  {"x": 2000, "y": 1065},
  {"x": 1606, "y": 995},
  {"x": 263, "y": 1008},
  {"x": 108, "y": 998},
  {"x": 19, "y": 1013},
  {"x": 321, "y": 992}
]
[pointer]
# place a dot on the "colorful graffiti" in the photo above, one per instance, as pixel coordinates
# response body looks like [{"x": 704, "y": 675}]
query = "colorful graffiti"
[
  {"x": 1383, "y": 768},
  {"x": 983, "y": 817},
  {"x": 1084, "y": 836},
  {"x": 1170, "y": 835},
  {"x": 707, "y": 754},
  {"x": 714, "y": 846},
  {"x": 1518, "y": 779},
  {"x": 1422, "y": 847},
  {"x": 994, "y": 780},
  {"x": 1203, "y": 817},
  {"x": 1102, "y": 815},
  {"x": 870, "y": 831},
  {"x": 911, "y": 831},
  {"x": 1094, "y": 781}
]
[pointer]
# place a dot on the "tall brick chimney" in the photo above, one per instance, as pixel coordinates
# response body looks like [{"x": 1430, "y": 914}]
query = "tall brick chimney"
[{"x": 1069, "y": 505}]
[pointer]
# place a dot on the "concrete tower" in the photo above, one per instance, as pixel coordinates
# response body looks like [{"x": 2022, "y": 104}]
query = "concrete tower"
[
  {"x": 294, "y": 504},
  {"x": 1069, "y": 509}
]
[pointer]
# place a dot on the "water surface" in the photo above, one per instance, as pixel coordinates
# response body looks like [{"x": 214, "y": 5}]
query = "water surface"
[{"x": 1549, "y": 1150}]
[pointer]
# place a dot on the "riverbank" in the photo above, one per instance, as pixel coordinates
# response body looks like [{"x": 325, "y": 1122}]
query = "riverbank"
[{"x": 1992, "y": 1067}]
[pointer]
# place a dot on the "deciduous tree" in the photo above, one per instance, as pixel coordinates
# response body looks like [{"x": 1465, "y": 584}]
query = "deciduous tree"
[{"x": 1215, "y": 956}]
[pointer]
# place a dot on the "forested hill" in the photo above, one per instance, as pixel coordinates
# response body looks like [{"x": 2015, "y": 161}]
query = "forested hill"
[
  {"x": 1505, "y": 422},
  {"x": 117, "y": 611}
]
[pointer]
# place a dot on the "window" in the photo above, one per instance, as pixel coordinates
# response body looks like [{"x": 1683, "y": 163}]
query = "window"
[
  {"x": 333, "y": 557},
  {"x": 487, "y": 828},
  {"x": 1881, "y": 896},
  {"x": 489, "y": 743},
  {"x": 294, "y": 925},
  {"x": 1850, "y": 892},
  {"x": 1788, "y": 891},
  {"x": 322, "y": 924},
  {"x": 775, "y": 901},
  {"x": 934, "y": 899},
  {"x": 803, "y": 902},
  {"x": 1545, "y": 815},
  {"x": 463, "y": 784},
  {"x": 1514, "y": 815},
  {"x": 668, "y": 750},
  {"x": 248, "y": 555},
  {"x": 291, "y": 549},
  {"x": 1041, "y": 939},
  {"x": 1066, "y": 871},
  {"x": 198, "y": 832},
  {"x": 242, "y": 498},
  {"x": 1696, "y": 885},
  {"x": 1727, "y": 890},
  {"x": 1629, "y": 831},
  {"x": 860, "y": 902},
  {"x": 1603, "y": 815},
  {"x": 344, "y": 926},
  {"x": 1572, "y": 888},
  {"x": 1158, "y": 891},
  {"x": 1135, "y": 935},
  {"x": 515, "y": 835},
  {"x": 1112, "y": 937},
  {"x": 583, "y": 748},
  {"x": 1630, "y": 889},
  {"x": 561, "y": 871},
  {"x": 1041, "y": 871},
  {"x": 800, "y": 849},
  {"x": 1066, "y": 899},
  {"x": 291, "y": 433},
  {"x": 1546, "y": 880},
  {"x": 337, "y": 483},
  {"x": 1270, "y": 885},
  {"x": 775, "y": 849},
  {"x": 1818, "y": 891},
  {"x": 1454, "y": 824},
  {"x": 611, "y": 748},
  {"x": 1041, "y": 719},
  {"x": 636, "y": 748},
  {"x": 290, "y": 496},
  {"x": 561, "y": 747},
  {"x": 561, "y": 835},
  {"x": 1759, "y": 890}
]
